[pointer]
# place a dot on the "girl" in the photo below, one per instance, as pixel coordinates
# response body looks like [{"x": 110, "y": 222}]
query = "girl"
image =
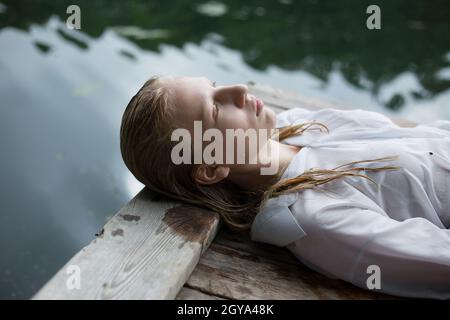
[{"x": 355, "y": 197}]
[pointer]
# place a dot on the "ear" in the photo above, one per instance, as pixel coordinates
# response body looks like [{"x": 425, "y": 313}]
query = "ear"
[{"x": 210, "y": 174}]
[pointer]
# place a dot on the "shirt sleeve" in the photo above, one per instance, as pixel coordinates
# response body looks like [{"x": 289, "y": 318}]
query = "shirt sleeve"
[{"x": 412, "y": 256}]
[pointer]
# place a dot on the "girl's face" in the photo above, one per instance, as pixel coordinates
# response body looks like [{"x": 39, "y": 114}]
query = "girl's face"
[{"x": 220, "y": 107}]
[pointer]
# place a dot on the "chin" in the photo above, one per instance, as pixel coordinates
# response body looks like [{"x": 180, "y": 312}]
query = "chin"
[{"x": 271, "y": 118}]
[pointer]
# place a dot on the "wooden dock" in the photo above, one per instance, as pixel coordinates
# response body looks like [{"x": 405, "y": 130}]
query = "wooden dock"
[{"x": 156, "y": 249}]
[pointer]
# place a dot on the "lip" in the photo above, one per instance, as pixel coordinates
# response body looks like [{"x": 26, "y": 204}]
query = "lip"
[{"x": 259, "y": 106}]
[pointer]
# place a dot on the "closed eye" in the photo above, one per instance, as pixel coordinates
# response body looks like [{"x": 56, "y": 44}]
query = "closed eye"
[
  {"x": 216, "y": 107},
  {"x": 215, "y": 111}
]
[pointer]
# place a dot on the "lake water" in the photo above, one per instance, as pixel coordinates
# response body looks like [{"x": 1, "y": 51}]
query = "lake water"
[{"x": 63, "y": 93}]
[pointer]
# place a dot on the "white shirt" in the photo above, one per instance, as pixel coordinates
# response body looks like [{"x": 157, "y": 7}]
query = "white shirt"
[{"x": 401, "y": 226}]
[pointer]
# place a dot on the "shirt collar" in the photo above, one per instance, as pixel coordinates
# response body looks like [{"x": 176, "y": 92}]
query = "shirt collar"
[{"x": 275, "y": 223}]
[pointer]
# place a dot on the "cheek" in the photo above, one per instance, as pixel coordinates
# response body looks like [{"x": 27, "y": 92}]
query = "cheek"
[{"x": 237, "y": 120}]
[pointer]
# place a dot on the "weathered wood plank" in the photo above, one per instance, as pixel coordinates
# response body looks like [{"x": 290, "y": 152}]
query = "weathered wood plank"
[
  {"x": 146, "y": 251},
  {"x": 234, "y": 274},
  {"x": 187, "y": 293},
  {"x": 281, "y": 100},
  {"x": 286, "y": 100},
  {"x": 242, "y": 242}
]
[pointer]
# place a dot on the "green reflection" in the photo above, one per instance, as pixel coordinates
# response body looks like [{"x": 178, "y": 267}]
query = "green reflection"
[{"x": 314, "y": 36}]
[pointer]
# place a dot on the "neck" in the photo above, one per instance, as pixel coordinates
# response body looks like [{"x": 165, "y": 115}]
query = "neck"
[{"x": 249, "y": 177}]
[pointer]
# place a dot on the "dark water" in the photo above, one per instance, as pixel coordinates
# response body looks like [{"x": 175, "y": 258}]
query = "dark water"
[{"x": 63, "y": 93}]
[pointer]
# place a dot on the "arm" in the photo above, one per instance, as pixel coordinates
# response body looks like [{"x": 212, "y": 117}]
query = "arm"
[{"x": 343, "y": 241}]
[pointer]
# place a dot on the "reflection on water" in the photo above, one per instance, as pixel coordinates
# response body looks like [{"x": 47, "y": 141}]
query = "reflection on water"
[{"x": 63, "y": 93}]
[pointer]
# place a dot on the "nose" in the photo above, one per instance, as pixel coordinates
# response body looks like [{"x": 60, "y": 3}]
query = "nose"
[{"x": 236, "y": 94}]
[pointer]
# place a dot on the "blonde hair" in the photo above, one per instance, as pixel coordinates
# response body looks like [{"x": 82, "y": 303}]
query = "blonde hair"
[{"x": 146, "y": 147}]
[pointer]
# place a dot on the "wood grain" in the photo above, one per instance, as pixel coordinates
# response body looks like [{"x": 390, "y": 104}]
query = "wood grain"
[
  {"x": 146, "y": 251},
  {"x": 187, "y": 293},
  {"x": 234, "y": 274}
]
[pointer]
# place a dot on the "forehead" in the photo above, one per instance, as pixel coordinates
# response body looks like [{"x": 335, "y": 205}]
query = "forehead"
[
  {"x": 190, "y": 95},
  {"x": 181, "y": 83},
  {"x": 189, "y": 90}
]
